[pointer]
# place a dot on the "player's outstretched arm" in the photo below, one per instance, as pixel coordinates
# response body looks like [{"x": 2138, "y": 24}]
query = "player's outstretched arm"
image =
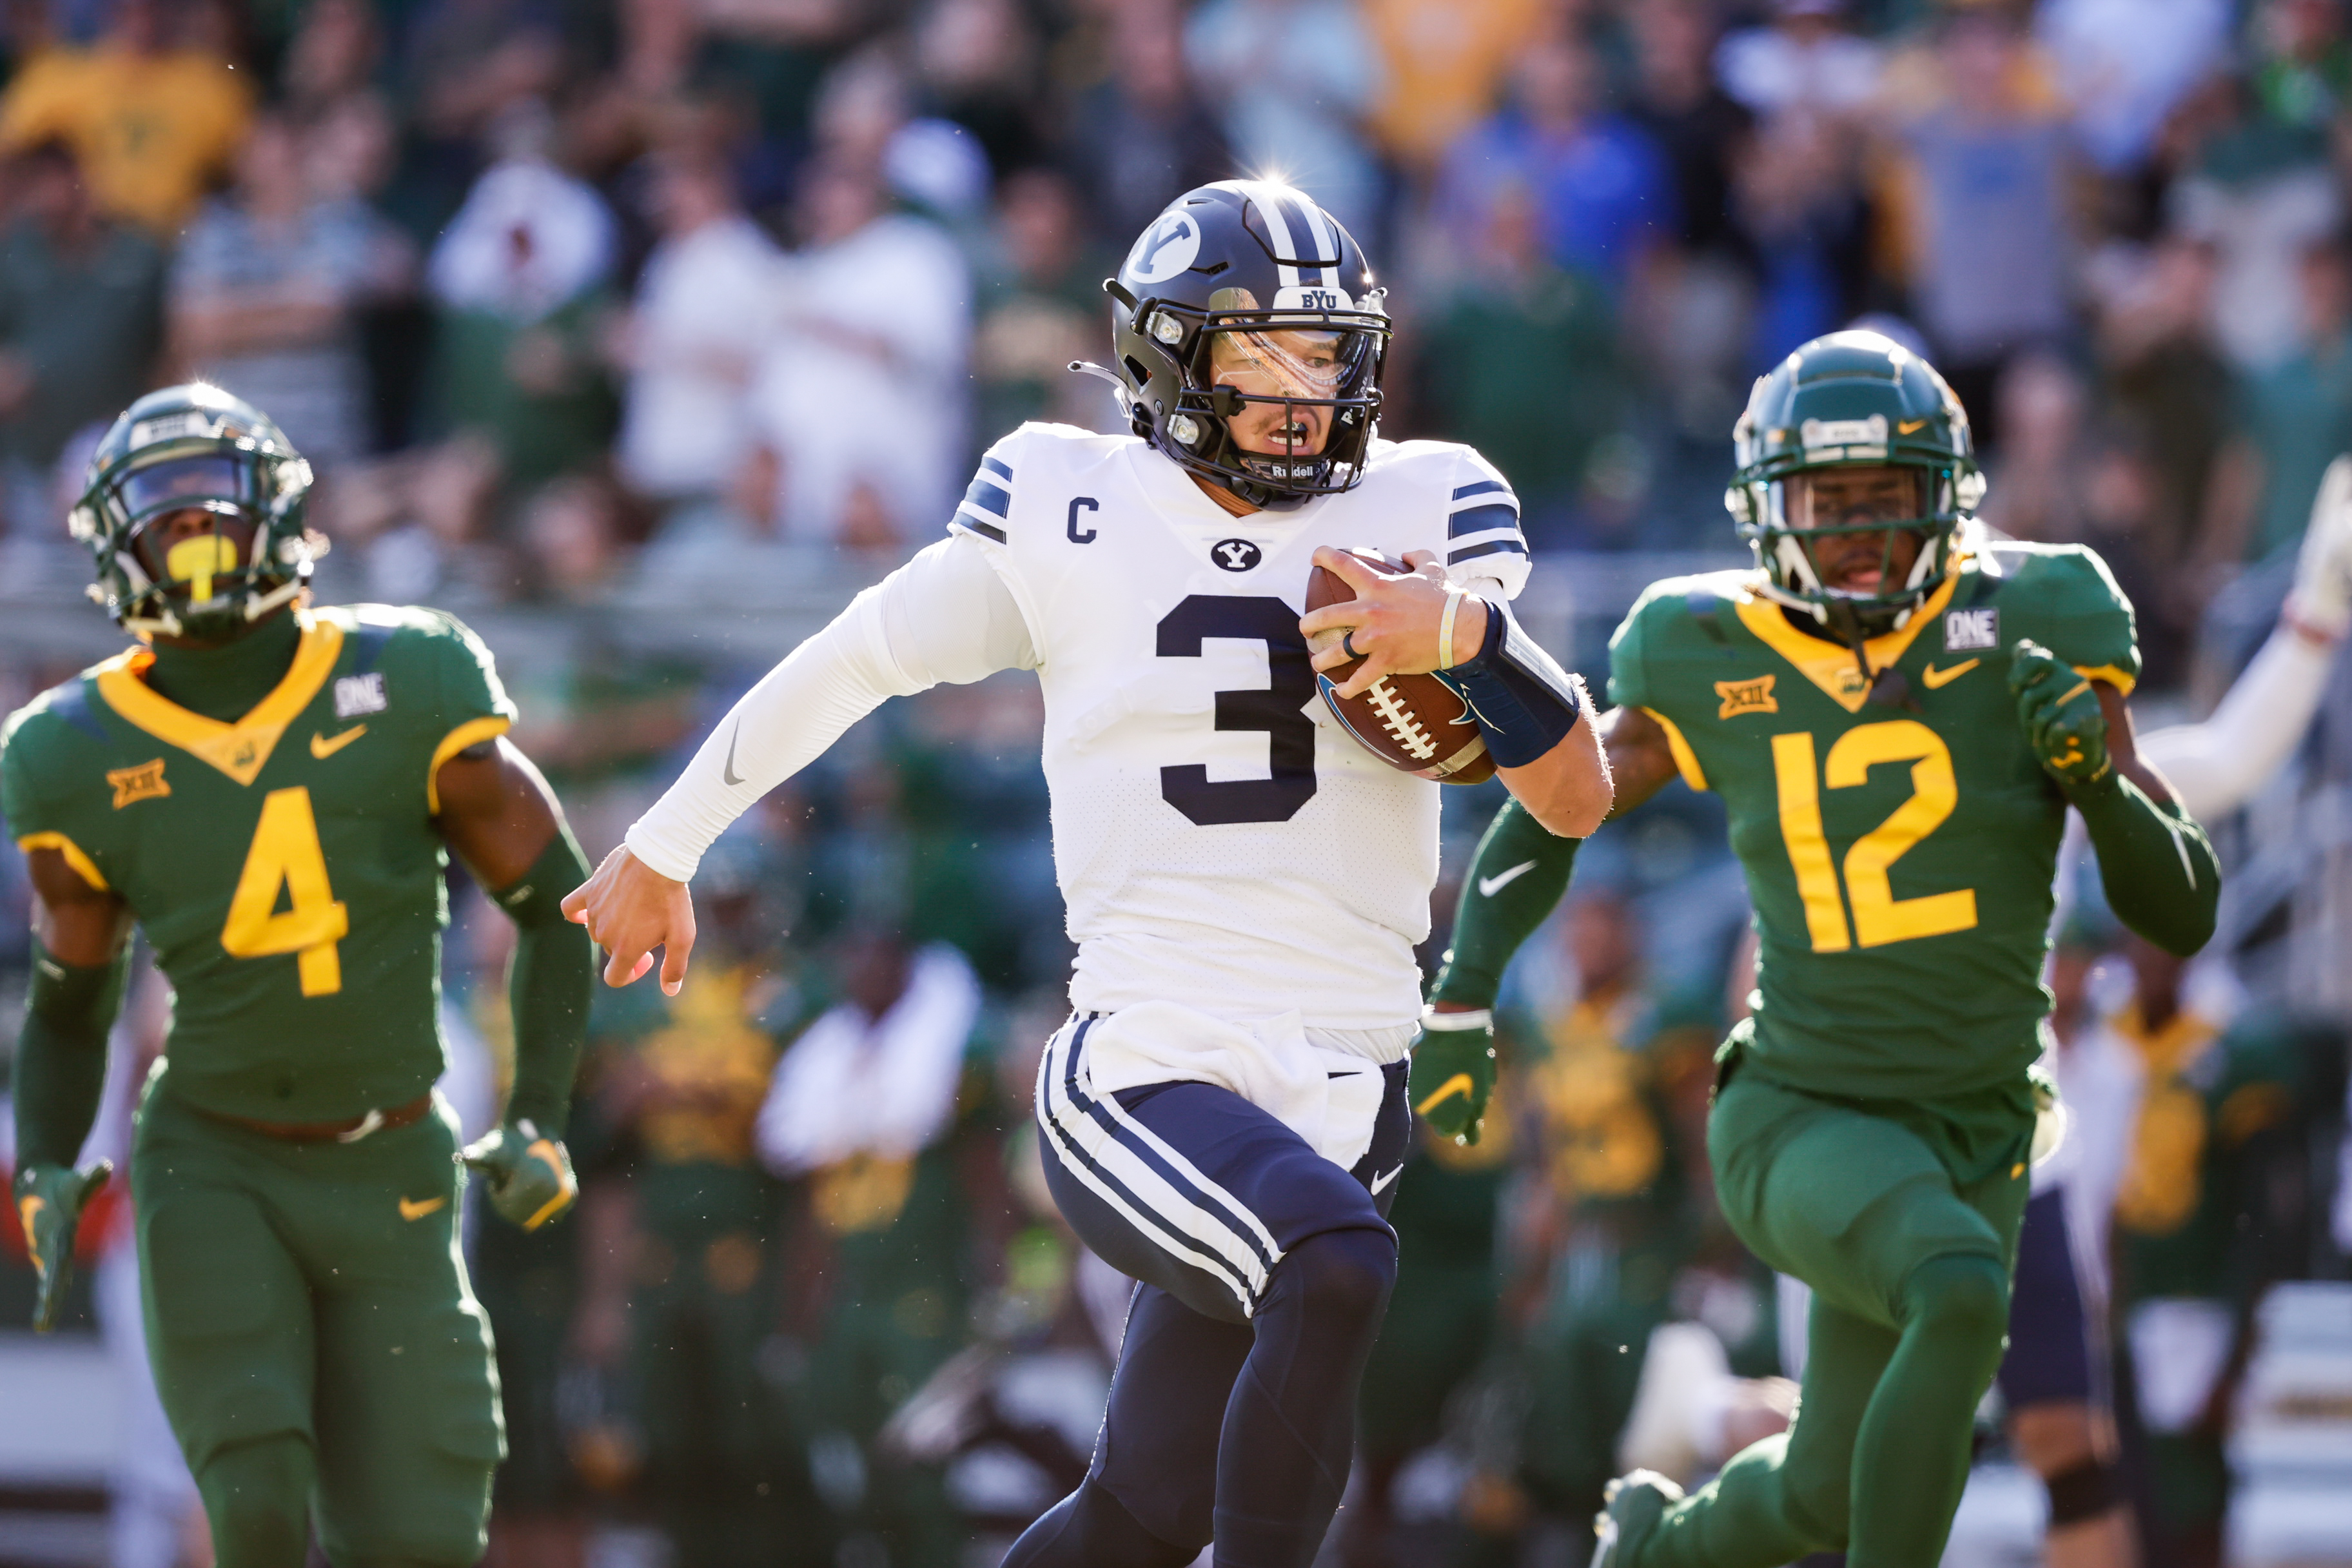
[
  {"x": 1518, "y": 876},
  {"x": 1537, "y": 718},
  {"x": 499, "y": 815},
  {"x": 944, "y": 617},
  {"x": 2156, "y": 866},
  {"x": 81, "y": 940}
]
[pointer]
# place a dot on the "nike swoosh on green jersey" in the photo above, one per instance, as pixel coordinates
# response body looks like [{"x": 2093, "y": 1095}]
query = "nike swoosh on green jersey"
[{"x": 1489, "y": 885}]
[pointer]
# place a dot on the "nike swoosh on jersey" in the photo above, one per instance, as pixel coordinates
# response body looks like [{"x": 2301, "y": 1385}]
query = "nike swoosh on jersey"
[
  {"x": 1381, "y": 1184},
  {"x": 1936, "y": 678},
  {"x": 728, "y": 771},
  {"x": 414, "y": 1209},
  {"x": 1489, "y": 885},
  {"x": 322, "y": 747}
]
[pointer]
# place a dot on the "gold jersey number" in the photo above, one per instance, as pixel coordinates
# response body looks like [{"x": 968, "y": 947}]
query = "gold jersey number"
[
  {"x": 1879, "y": 917},
  {"x": 286, "y": 854}
]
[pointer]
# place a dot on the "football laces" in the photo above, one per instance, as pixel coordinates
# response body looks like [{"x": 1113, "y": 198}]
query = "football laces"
[{"x": 1404, "y": 725}]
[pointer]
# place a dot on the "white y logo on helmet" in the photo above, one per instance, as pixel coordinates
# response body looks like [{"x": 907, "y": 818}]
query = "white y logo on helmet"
[{"x": 1166, "y": 248}]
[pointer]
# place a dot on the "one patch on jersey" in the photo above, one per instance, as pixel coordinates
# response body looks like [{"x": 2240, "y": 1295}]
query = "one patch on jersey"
[
  {"x": 1746, "y": 697},
  {"x": 1966, "y": 629},
  {"x": 132, "y": 786},
  {"x": 1236, "y": 554},
  {"x": 358, "y": 694}
]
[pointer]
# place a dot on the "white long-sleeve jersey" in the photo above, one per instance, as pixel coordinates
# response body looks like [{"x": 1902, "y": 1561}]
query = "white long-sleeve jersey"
[{"x": 1220, "y": 842}]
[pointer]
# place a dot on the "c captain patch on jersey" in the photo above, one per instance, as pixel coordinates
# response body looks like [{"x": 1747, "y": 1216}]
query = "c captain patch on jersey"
[{"x": 1189, "y": 752}]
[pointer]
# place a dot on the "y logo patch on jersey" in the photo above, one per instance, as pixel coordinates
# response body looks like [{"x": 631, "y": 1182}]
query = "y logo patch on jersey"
[
  {"x": 132, "y": 786},
  {"x": 1236, "y": 554},
  {"x": 1965, "y": 630},
  {"x": 1746, "y": 697},
  {"x": 358, "y": 694}
]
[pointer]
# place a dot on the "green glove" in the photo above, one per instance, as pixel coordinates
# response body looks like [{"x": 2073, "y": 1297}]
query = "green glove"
[
  {"x": 1453, "y": 1071},
  {"x": 529, "y": 1176},
  {"x": 49, "y": 1200},
  {"x": 2060, "y": 713}
]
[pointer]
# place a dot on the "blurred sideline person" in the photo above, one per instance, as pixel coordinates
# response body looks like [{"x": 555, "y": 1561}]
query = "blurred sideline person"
[
  {"x": 296, "y": 1175},
  {"x": 1224, "y": 1117}
]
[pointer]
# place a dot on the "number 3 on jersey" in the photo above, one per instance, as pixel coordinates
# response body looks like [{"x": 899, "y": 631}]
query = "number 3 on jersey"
[
  {"x": 1879, "y": 917},
  {"x": 1277, "y": 707},
  {"x": 285, "y": 854}
]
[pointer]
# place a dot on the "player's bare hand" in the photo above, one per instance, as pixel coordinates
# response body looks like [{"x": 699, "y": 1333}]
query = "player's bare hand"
[
  {"x": 630, "y": 910},
  {"x": 1393, "y": 622}
]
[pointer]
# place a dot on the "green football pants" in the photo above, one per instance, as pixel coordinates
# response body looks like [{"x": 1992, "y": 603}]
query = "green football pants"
[
  {"x": 1903, "y": 1220},
  {"x": 315, "y": 1342}
]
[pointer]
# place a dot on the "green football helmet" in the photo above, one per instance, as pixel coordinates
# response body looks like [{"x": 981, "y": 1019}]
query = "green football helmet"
[
  {"x": 195, "y": 447},
  {"x": 1849, "y": 400}
]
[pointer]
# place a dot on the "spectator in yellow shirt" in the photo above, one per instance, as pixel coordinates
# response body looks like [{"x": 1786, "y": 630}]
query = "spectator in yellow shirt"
[{"x": 150, "y": 120}]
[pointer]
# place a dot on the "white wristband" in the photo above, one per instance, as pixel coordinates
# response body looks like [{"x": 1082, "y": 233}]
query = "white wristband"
[
  {"x": 1445, "y": 1023},
  {"x": 1445, "y": 627}
]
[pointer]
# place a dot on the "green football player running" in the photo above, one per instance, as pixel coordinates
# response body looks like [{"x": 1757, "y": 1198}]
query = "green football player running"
[
  {"x": 1897, "y": 713},
  {"x": 270, "y": 792}
]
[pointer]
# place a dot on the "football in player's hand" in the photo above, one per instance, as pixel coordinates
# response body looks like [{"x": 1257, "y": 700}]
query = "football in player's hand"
[{"x": 1415, "y": 724}]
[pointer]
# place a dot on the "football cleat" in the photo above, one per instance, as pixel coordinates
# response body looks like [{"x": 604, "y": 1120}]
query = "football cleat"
[{"x": 1631, "y": 1509}]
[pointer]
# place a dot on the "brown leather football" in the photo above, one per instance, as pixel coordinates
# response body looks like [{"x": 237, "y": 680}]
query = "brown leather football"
[{"x": 1415, "y": 724}]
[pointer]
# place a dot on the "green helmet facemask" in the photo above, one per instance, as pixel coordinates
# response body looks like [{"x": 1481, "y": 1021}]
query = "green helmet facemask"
[
  {"x": 196, "y": 450},
  {"x": 1852, "y": 400}
]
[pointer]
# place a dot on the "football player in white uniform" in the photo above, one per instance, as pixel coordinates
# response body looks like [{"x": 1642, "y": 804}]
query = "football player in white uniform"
[{"x": 1225, "y": 1114}]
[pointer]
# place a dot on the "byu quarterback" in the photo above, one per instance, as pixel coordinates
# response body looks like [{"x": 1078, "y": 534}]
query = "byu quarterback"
[{"x": 1225, "y": 1114}]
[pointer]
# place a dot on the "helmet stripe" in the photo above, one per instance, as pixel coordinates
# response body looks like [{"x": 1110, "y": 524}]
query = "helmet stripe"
[
  {"x": 1277, "y": 228},
  {"x": 1327, "y": 242}
]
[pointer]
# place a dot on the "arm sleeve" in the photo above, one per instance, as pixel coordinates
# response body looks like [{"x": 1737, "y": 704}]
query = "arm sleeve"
[
  {"x": 944, "y": 617},
  {"x": 548, "y": 986},
  {"x": 1518, "y": 874},
  {"x": 1483, "y": 536},
  {"x": 2158, "y": 867},
  {"x": 2216, "y": 765},
  {"x": 61, "y": 1056}
]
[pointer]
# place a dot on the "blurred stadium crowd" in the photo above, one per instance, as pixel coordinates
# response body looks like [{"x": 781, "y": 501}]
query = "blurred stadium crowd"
[{"x": 598, "y": 315}]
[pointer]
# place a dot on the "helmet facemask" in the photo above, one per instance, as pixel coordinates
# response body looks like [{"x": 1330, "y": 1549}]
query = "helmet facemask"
[
  {"x": 197, "y": 538},
  {"x": 1781, "y": 517},
  {"x": 1303, "y": 386}
]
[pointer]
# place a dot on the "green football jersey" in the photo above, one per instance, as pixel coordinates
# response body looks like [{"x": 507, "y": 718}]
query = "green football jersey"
[
  {"x": 285, "y": 868},
  {"x": 1899, "y": 858}
]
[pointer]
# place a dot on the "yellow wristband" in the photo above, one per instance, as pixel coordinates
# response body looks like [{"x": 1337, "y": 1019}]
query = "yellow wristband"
[{"x": 1445, "y": 627}]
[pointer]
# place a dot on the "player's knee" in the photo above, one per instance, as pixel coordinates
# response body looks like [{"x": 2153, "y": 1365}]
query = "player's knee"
[
  {"x": 1092, "y": 1528},
  {"x": 1821, "y": 1498},
  {"x": 1962, "y": 1299},
  {"x": 1340, "y": 1277},
  {"x": 257, "y": 1500}
]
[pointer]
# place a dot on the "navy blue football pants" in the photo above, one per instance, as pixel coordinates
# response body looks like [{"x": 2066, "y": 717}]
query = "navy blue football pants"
[{"x": 1265, "y": 1270}]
